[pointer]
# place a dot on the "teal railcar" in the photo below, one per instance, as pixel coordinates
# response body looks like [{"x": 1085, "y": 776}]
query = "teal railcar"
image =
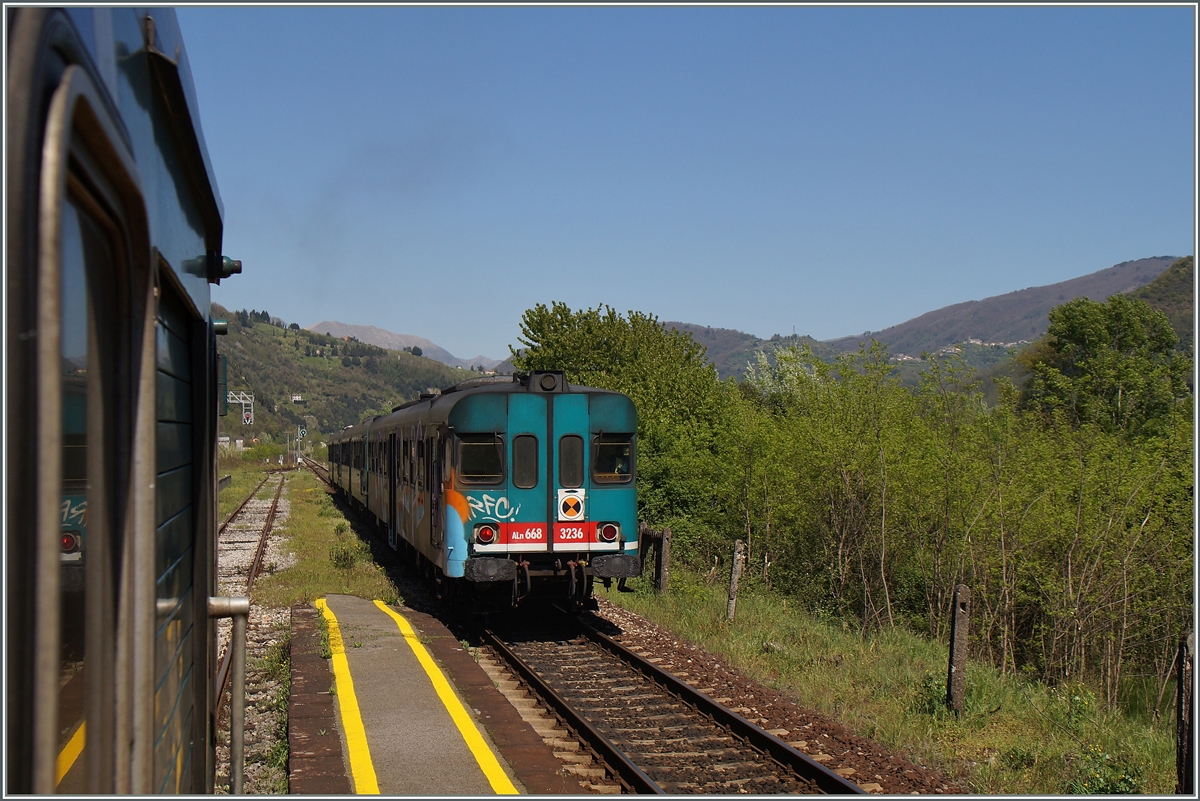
[{"x": 502, "y": 488}]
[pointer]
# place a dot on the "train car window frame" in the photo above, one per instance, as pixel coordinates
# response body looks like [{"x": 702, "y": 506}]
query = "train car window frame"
[
  {"x": 603, "y": 442},
  {"x": 86, "y": 166},
  {"x": 464, "y": 460},
  {"x": 570, "y": 461},
  {"x": 525, "y": 461}
]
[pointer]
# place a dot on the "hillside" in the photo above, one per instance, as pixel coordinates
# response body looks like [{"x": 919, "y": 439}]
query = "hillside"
[
  {"x": 373, "y": 335},
  {"x": 731, "y": 350},
  {"x": 339, "y": 381},
  {"x": 1009, "y": 318},
  {"x": 1173, "y": 293}
]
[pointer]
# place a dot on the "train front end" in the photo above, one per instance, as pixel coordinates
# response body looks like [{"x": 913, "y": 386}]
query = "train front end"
[{"x": 541, "y": 495}]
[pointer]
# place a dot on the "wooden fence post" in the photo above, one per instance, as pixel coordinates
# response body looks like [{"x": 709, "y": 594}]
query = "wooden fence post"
[
  {"x": 645, "y": 543},
  {"x": 739, "y": 562},
  {"x": 1184, "y": 750},
  {"x": 663, "y": 567},
  {"x": 959, "y": 624}
]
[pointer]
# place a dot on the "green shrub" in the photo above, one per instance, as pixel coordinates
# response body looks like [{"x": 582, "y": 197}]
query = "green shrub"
[
  {"x": 345, "y": 555},
  {"x": 930, "y": 696},
  {"x": 1073, "y": 705},
  {"x": 325, "y": 507},
  {"x": 1019, "y": 757},
  {"x": 1099, "y": 773}
]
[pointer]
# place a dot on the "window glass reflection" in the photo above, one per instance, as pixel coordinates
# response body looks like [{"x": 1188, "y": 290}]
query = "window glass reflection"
[{"x": 84, "y": 249}]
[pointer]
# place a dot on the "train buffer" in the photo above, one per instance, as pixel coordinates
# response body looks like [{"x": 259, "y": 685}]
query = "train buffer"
[{"x": 412, "y": 711}]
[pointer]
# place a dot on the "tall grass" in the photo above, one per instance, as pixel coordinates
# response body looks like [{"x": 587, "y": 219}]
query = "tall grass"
[
  {"x": 1016, "y": 735},
  {"x": 330, "y": 557}
]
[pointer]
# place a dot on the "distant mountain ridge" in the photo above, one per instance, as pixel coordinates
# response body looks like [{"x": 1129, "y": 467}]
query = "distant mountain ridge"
[
  {"x": 382, "y": 338},
  {"x": 1012, "y": 317},
  {"x": 1008, "y": 318}
]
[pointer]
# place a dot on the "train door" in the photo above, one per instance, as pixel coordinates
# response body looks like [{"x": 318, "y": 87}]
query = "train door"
[
  {"x": 569, "y": 517},
  {"x": 364, "y": 467},
  {"x": 420, "y": 538},
  {"x": 530, "y": 458},
  {"x": 410, "y": 488},
  {"x": 392, "y": 479},
  {"x": 433, "y": 450}
]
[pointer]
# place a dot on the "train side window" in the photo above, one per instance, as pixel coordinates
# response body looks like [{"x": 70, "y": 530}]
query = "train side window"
[
  {"x": 570, "y": 461},
  {"x": 85, "y": 250},
  {"x": 612, "y": 459},
  {"x": 525, "y": 461},
  {"x": 481, "y": 458}
]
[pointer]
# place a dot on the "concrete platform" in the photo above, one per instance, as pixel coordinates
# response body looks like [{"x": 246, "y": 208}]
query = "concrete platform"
[
  {"x": 412, "y": 743},
  {"x": 415, "y": 714}
]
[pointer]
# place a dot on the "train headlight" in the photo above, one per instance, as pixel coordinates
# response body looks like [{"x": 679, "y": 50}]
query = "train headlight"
[
  {"x": 485, "y": 535},
  {"x": 609, "y": 532}
]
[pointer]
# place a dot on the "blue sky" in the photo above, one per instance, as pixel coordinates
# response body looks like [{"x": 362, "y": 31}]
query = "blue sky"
[{"x": 437, "y": 171}]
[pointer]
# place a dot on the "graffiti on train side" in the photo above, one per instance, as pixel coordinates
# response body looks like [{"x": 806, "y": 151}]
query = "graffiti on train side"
[{"x": 485, "y": 506}]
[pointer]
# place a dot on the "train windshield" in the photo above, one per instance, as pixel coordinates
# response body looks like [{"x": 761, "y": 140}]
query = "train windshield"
[
  {"x": 525, "y": 461},
  {"x": 570, "y": 461},
  {"x": 481, "y": 458},
  {"x": 612, "y": 459}
]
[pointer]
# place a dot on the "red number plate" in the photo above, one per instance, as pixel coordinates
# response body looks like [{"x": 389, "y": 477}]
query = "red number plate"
[
  {"x": 574, "y": 533},
  {"x": 523, "y": 534}
]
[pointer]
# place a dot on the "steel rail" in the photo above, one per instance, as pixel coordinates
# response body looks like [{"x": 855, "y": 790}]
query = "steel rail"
[
  {"x": 264, "y": 538},
  {"x": 754, "y": 735},
  {"x": 223, "y": 673},
  {"x": 615, "y": 761},
  {"x": 241, "y": 506},
  {"x": 317, "y": 470}
]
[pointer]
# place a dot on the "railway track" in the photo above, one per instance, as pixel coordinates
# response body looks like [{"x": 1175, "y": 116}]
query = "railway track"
[
  {"x": 247, "y": 547},
  {"x": 318, "y": 470},
  {"x": 624, "y": 725},
  {"x": 242, "y": 542}
]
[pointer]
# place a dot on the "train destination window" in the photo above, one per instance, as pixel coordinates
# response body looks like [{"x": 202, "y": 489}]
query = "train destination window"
[
  {"x": 525, "y": 461},
  {"x": 612, "y": 458},
  {"x": 570, "y": 461},
  {"x": 481, "y": 458}
]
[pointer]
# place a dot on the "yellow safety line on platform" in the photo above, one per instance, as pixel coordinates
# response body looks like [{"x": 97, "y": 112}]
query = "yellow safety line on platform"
[
  {"x": 488, "y": 763},
  {"x": 70, "y": 753},
  {"x": 361, "y": 766}
]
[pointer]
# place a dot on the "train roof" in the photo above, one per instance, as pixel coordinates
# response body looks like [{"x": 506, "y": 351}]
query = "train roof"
[{"x": 439, "y": 405}]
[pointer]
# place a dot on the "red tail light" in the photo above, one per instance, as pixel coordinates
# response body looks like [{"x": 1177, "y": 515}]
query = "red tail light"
[
  {"x": 609, "y": 532},
  {"x": 485, "y": 535},
  {"x": 70, "y": 542}
]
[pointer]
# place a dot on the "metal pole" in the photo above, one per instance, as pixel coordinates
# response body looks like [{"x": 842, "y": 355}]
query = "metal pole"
[
  {"x": 237, "y": 707},
  {"x": 239, "y": 609}
]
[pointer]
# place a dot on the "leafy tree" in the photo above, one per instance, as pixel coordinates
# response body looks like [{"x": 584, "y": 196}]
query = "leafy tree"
[
  {"x": 682, "y": 405},
  {"x": 416, "y": 351},
  {"x": 1113, "y": 364}
]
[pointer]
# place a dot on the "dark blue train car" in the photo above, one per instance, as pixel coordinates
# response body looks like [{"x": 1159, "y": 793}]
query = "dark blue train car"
[
  {"x": 114, "y": 230},
  {"x": 502, "y": 488}
]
